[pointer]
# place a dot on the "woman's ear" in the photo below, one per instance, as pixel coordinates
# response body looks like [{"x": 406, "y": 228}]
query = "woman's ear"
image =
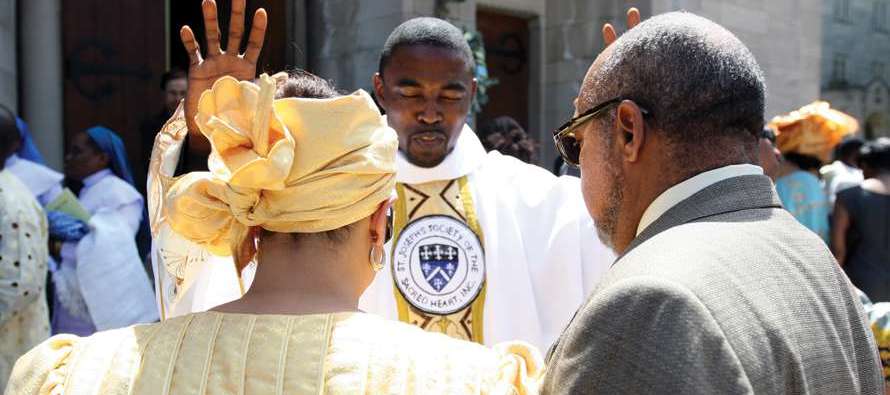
[
  {"x": 105, "y": 159},
  {"x": 378, "y": 222}
]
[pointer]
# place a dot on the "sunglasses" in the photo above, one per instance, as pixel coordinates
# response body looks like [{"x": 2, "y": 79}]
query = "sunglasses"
[{"x": 564, "y": 136}]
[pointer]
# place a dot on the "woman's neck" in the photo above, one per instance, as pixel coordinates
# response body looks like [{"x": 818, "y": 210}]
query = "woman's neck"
[{"x": 312, "y": 279}]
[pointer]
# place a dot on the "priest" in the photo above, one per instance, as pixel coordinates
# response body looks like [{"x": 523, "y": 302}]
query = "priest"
[{"x": 486, "y": 248}]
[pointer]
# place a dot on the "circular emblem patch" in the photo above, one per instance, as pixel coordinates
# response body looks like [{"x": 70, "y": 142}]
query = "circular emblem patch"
[{"x": 438, "y": 264}]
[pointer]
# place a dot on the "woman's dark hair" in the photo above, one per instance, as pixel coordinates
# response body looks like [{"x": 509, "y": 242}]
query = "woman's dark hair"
[
  {"x": 804, "y": 162},
  {"x": 505, "y": 135},
  {"x": 301, "y": 83},
  {"x": 876, "y": 154}
]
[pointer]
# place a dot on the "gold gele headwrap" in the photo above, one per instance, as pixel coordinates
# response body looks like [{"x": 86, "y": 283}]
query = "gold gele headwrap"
[
  {"x": 289, "y": 165},
  {"x": 814, "y": 129}
]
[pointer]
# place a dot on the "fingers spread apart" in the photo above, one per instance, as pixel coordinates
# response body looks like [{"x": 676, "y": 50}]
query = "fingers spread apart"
[
  {"x": 191, "y": 45},
  {"x": 257, "y": 36}
]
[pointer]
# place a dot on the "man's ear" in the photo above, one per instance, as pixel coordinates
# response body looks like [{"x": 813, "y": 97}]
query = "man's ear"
[
  {"x": 377, "y": 81},
  {"x": 631, "y": 130}
]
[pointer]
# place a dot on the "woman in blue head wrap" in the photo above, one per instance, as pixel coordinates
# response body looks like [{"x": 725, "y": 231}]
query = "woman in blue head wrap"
[
  {"x": 97, "y": 159},
  {"x": 28, "y": 165},
  {"x": 27, "y": 149}
]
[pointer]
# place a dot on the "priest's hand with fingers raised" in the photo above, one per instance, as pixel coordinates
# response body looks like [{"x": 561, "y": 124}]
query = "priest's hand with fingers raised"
[
  {"x": 633, "y": 19},
  {"x": 204, "y": 71}
]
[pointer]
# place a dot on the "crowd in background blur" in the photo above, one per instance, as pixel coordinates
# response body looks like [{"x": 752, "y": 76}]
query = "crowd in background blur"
[{"x": 836, "y": 184}]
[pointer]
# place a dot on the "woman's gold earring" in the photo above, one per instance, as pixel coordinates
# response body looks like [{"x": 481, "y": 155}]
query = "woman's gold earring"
[{"x": 376, "y": 258}]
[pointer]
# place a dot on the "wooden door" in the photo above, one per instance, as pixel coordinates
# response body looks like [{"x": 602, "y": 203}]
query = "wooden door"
[
  {"x": 507, "y": 55},
  {"x": 114, "y": 55}
]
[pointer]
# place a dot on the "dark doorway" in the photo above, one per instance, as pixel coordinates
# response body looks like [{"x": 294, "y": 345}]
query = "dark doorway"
[
  {"x": 507, "y": 54},
  {"x": 113, "y": 58},
  {"x": 188, "y": 12}
]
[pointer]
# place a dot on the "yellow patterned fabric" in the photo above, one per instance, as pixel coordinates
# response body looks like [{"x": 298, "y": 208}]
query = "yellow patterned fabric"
[
  {"x": 287, "y": 165},
  {"x": 221, "y": 353},
  {"x": 24, "y": 320},
  {"x": 417, "y": 203}
]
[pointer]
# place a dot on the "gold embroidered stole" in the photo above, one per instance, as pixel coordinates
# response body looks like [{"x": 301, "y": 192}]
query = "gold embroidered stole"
[{"x": 445, "y": 265}]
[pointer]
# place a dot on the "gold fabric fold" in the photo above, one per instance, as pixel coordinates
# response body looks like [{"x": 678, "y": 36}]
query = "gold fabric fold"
[{"x": 286, "y": 165}]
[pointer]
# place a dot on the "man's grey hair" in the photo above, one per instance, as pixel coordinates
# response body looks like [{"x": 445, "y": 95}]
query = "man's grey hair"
[{"x": 697, "y": 80}]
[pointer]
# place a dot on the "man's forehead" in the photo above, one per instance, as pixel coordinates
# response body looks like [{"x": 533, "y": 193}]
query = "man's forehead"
[{"x": 425, "y": 63}]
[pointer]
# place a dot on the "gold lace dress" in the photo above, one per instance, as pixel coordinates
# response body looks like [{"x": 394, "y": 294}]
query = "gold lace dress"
[{"x": 223, "y": 353}]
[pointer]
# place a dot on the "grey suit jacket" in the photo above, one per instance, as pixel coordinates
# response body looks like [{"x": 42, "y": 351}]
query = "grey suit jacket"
[{"x": 724, "y": 294}]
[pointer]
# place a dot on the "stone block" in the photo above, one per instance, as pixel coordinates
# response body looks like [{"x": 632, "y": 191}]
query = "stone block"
[
  {"x": 557, "y": 38},
  {"x": 744, "y": 19},
  {"x": 8, "y": 74},
  {"x": 340, "y": 12},
  {"x": 378, "y": 8},
  {"x": 364, "y": 65},
  {"x": 566, "y": 71},
  {"x": 585, "y": 40},
  {"x": 372, "y": 33},
  {"x": 423, "y": 8}
]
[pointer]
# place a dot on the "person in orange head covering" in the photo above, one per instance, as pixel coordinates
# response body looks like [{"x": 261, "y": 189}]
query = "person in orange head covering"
[{"x": 806, "y": 138}]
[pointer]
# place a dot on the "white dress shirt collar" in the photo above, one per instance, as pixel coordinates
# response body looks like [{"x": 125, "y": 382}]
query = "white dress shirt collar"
[{"x": 682, "y": 191}]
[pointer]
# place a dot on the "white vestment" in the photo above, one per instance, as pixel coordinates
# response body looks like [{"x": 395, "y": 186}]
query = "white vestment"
[
  {"x": 44, "y": 183},
  {"x": 542, "y": 253}
]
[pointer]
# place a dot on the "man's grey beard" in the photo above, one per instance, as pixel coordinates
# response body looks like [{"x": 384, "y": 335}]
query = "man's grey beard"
[{"x": 607, "y": 225}]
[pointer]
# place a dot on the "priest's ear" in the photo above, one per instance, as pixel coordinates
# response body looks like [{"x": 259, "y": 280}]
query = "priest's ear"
[{"x": 377, "y": 82}]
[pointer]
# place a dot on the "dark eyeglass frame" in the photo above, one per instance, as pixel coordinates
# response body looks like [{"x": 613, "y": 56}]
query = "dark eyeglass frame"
[{"x": 564, "y": 136}]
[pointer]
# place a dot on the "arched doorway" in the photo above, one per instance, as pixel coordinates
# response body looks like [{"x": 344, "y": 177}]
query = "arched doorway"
[{"x": 877, "y": 125}]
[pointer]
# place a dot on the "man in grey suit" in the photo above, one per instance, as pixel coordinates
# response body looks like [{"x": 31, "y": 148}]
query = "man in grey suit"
[{"x": 717, "y": 289}]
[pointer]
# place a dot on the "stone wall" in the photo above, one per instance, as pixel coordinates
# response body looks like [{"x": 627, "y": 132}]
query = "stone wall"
[
  {"x": 345, "y": 38},
  {"x": 784, "y": 36},
  {"x": 864, "y": 47},
  {"x": 8, "y": 80}
]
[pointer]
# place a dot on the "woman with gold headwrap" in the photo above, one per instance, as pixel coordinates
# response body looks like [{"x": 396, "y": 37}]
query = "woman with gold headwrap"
[{"x": 302, "y": 186}]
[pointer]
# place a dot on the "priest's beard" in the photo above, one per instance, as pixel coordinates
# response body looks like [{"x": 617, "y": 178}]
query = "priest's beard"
[{"x": 608, "y": 221}]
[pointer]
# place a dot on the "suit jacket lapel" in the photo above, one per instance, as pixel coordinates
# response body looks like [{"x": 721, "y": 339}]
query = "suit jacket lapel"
[{"x": 734, "y": 194}]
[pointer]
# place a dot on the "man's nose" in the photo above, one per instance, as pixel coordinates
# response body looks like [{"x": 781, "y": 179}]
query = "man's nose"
[{"x": 430, "y": 113}]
